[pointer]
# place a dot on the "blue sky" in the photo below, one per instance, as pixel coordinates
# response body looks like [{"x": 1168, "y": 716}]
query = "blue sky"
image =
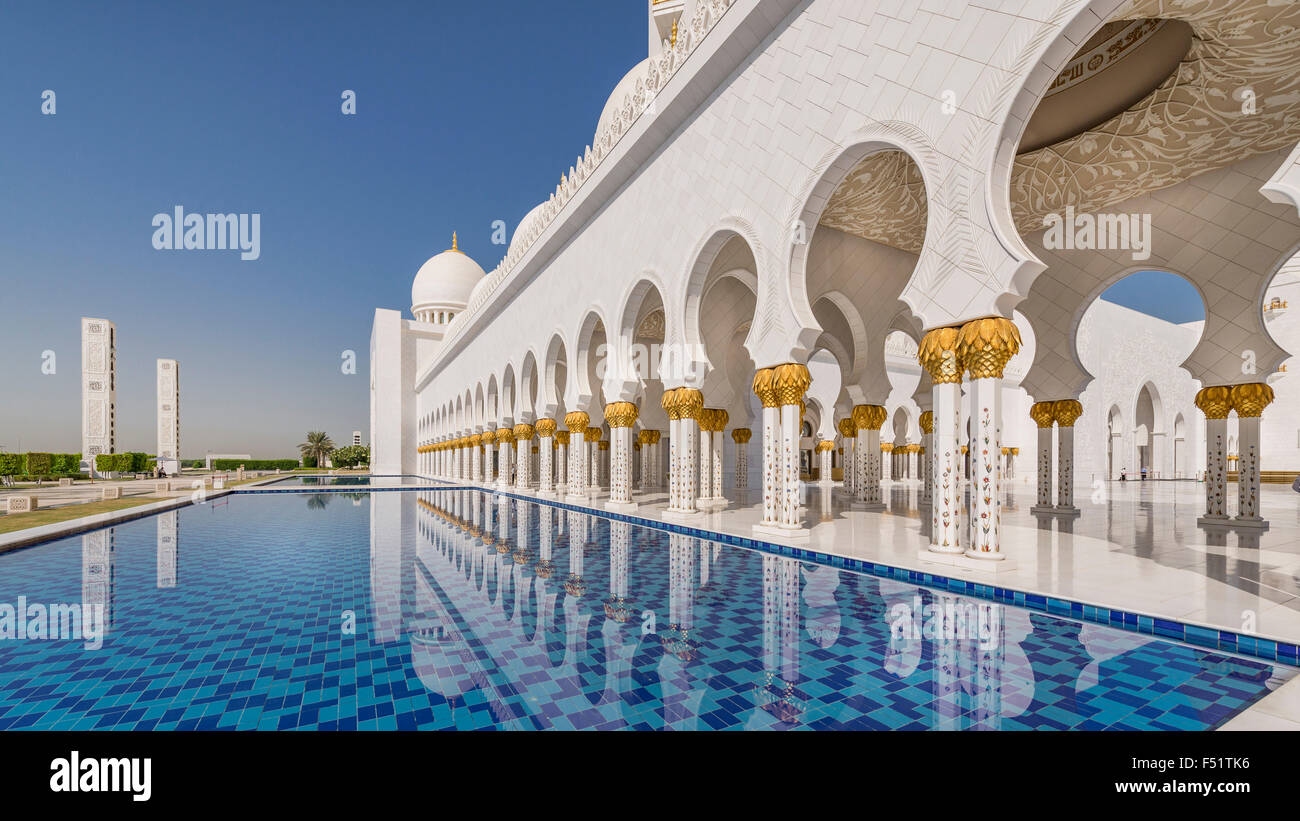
[{"x": 466, "y": 113}]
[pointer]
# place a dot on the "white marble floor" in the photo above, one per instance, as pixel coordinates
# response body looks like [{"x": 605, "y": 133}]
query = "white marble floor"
[{"x": 1135, "y": 546}]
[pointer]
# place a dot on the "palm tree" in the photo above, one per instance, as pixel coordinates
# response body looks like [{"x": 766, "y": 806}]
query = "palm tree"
[{"x": 318, "y": 444}]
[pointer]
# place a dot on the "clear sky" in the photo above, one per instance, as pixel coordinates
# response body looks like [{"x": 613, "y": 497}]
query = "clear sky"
[{"x": 466, "y": 113}]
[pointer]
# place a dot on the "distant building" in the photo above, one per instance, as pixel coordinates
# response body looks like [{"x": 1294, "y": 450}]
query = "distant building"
[
  {"x": 356, "y": 437},
  {"x": 98, "y": 390}
]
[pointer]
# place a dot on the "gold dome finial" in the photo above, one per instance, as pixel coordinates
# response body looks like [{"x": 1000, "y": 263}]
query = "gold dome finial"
[{"x": 454, "y": 246}]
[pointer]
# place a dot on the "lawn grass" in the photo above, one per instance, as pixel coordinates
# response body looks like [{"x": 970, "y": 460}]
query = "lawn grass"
[{"x": 21, "y": 521}]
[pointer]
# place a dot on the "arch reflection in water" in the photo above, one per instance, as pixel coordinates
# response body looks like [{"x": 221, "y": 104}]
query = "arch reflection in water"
[{"x": 656, "y": 630}]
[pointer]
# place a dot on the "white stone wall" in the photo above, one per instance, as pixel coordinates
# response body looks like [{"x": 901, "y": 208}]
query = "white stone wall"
[{"x": 1126, "y": 350}]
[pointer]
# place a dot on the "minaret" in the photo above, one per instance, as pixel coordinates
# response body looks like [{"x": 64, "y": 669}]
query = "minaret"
[{"x": 98, "y": 390}]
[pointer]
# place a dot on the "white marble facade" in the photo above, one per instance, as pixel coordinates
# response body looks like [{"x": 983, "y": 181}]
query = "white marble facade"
[{"x": 779, "y": 180}]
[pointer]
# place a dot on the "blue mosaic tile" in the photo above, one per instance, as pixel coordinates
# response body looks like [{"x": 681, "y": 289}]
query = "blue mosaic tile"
[{"x": 647, "y": 628}]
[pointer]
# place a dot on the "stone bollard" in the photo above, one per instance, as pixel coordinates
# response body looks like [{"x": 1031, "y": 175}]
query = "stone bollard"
[
  {"x": 65, "y": 483},
  {"x": 21, "y": 503},
  {"x": 111, "y": 492},
  {"x": 162, "y": 486},
  {"x": 219, "y": 483}
]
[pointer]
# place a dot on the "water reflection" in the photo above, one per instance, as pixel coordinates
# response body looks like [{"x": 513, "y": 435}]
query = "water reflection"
[{"x": 557, "y": 619}]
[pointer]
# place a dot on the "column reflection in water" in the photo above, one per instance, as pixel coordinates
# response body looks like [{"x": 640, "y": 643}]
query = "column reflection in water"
[
  {"x": 778, "y": 692},
  {"x": 167, "y": 547},
  {"x": 620, "y": 632},
  {"x": 97, "y": 583}
]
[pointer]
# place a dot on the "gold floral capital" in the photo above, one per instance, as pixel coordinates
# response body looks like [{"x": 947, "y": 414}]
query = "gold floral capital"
[
  {"x": 690, "y": 402},
  {"x": 887, "y": 447},
  {"x": 591, "y": 434},
  {"x": 505, "y": 435},
  {"x": 1249, "y": 400},
  {"x": 846, "y": 428},
  {"x": 986, "y": 345},
  {"x": 523, "y": 432},
  {"x": 669, "y": 404},
  {"x": 790, "y": 382},
  {"x": 764, "y": 388},
  {"x": 561, "y": 437},
  {"x": 475, "y": 440},
  {"x": 741, "y": 435},
  {"x": 602, "y": 445},
  {"x": 487, "y": 437},
  {"x": 620, "y": 414},
  {"x": 927, "y": 421},
  {"x": 1215, "y": 402},
  {"x": 869, "y": 417},
  {"x": 937, "y": 353},
  {"x": 1043, "y": 414},
  {"x": 654, "y": 437},
  {"x": 576, "y": 421},
  {"x": 825, "y": 445},
  {"x": 1067, "y": 411},
  {"x": 545, "y": 428}
]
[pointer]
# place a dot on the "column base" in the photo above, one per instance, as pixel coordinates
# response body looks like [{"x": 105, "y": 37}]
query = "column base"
[
  {"x": 873, "y": 507},
  {"x": 679, "y": 515},
  {"x": 1068, "y": 511},
  {"x": 790, "y": 534},
  {"x": 546, "y": 494},
  {"x": 710, "y": 503},
  {"x": 575, "y": 500},
  {"x": 964, "y": 561},
  {"x": 1216, "y": 520},
  {"x": 1252, "y": 522},
  {"x": 1040, "y": 510},
  {"x": 621, "y": 507}
]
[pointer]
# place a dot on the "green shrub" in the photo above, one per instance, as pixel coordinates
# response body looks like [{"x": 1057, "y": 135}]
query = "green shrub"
[
  {"x": 11, "y": 464},
  {"x": 67, "y": 463},
  {"x": 350, "y": 456},
  {"x": 113, "y": 462},
  {"x": 308, "y": 462},
  {"x": 39, "y": 464}
]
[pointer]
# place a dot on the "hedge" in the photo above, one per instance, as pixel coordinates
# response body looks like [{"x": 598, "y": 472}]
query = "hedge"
[
  {"x": 350, "y": 456},
  {"x": 39, "y": 464},
  {"x": 11, "y": 464},
  {"x": 114, "y": 462},
  {"x": 307, "y": 462},
  {"x": 254, "y": 464},
  {"x": 67, "y": 462}
]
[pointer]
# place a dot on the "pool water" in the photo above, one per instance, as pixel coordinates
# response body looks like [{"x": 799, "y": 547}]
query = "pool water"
[
  {"x": 455, "y": 609},
  {"x": 325, "y": 480}
]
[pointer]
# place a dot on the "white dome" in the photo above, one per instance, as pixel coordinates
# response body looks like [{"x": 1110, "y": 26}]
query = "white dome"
[
  {"x": 526, "y": 225},
  {"x": 625, "y": 87},
  {"x": 445, "y": 281}
]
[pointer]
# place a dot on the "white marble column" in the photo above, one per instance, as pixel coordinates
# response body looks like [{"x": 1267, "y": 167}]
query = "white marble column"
[
  {"x": 1066, "y": 411},
  {"x": 938, "y": 356},
  {"x": 505, "y": 438},
  {"x": 1216, "y": 403},
  {"x": 741, "y": 437},
  {"x": 984, "y": 348},
  {"x": 476, "y": 459},
  {"x": 867, "y": 420},
  {"x": 1249, "y": 401},
  {"x": 576, "y": 422},
  {"x": 705, "y": 488},
  {"x": 719, "y": 425},
  {"x": 562, "y": 460},
  {"x": 824, "y": 449},
  {"x": 848, "y": 459},
  {"x": 621, "y": 417},
  {"x": 1044, "y": 416},
  {"x": 523, "y": 455},
  {"x": 771, "y": 449},
  {"x": 545, "y": 439},
  {"x": 593, "y": 467},
  {"x": 687, "y": 405}
]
